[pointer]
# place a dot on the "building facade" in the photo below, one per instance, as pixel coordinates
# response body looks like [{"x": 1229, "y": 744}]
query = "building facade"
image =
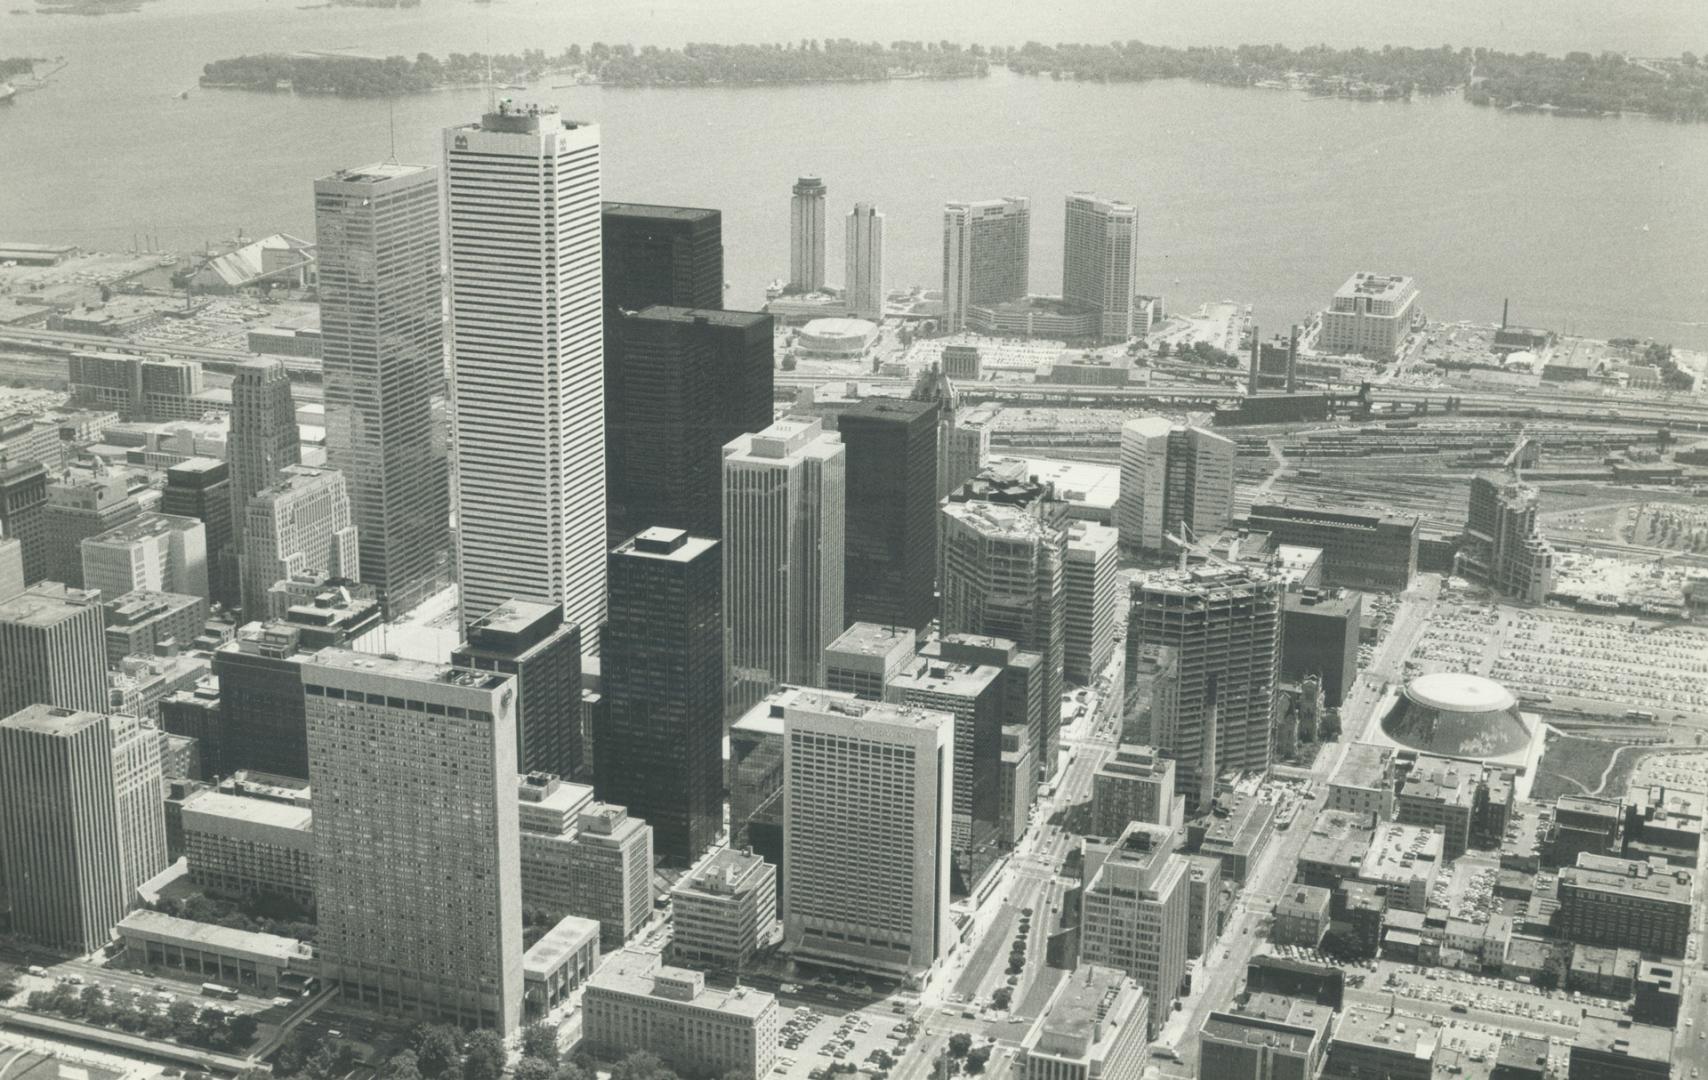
[
  {"x": 1094, "y": 1027},
  {"x": 532, "y": 642},
  {"x": 52, "y": 650},
  {"x": 891, "y": 539},
  {"x": 1172, "y": 475},
  {"x": 1369, "y": 316},
  {"x": 155, "y": 552},
  {"x": 1100, "y": 260},
  {"x": 987, "y": 255},
  {"x": 263, "y": 439},
  {"x": 301, "y": 523},
  {"x": 806, "y": 235},
  {"x": 1091, "y": 579},
  {"x": 1136, "y": 915},
  {"x": 1360, "y": 551},
  {"x": 724, "y": 912},
  {"x": 635, "y": 1001},
  {"x": 864, "y": 254}
]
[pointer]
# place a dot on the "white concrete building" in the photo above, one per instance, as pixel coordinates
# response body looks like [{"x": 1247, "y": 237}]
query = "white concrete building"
[
  {"x": 1091, "y": 578},
  {"x": 301, "y": 524},
  {"x": 1136, "y": 915},
  {"x": 154, "y": 552},
  {"x": 864, "y": 251},
  {"x": 987, "y": 255},
  {"x": 1100, "y": 258},
  {"x": 1369, "y": 315},
  {"x": 1172, "y": 473},
  {"x": 637, "y": 1002},
  {"x": 806, "y": 235}
]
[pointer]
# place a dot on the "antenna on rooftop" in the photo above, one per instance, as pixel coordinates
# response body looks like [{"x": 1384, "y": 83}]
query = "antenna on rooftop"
[
  {"x": 491, "y": 94},
  {"x": 391, "y": 123}
]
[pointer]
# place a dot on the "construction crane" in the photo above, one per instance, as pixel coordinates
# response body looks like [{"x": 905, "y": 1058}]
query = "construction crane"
[
  {"x": 1189, "y": 544},
  {"x": 1514, "y": 464}
]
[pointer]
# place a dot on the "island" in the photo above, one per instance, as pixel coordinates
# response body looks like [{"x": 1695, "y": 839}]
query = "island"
[{"x": 88, "y": 7}]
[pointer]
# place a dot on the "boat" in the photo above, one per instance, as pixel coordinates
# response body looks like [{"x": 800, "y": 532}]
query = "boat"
[{"x": 513, "y": 86}]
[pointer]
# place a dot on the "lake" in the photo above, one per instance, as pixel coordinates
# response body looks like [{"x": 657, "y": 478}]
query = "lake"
[{"x": 1590, "y": 226}]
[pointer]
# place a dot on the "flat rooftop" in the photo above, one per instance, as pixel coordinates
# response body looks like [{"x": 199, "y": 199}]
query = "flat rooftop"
[
  {"x": 514, "y": 615},
  {"x": 725, "y": 867},
  {"x": 710, "y": 316},
  {"x": 50, "y": 720},
  {"x": 281, "y": 950},
  {"x": 1605, "y": 872},
  {"x": 997, "y": 519},
  {"x": 376, "y": 173},
  {"x": 1642, "y": 1041},
  {"x": 571, "y": 934},
  {"x": 1364, "y": 766},
  {"x": 666, "y": 545},
  {"x": 146, "y": 526},
  {"x": 1208, "y": 579},
  {"x": 1397, "y": 1034},
  {"x": 639, "y": 973},
  {"x": 657, "y": 211},
  {"x": 1380, "y": 286},
  {"x": 766, "y": 717},
  {"x": 45, "y": 604},
  {"x": 257, "y": 811},
  {"x": 1075, "y": 1015},
  {"x": 402, "y": 668},
  {"x": 872, "y": 639},
  {"x": 944, "y": 677}
]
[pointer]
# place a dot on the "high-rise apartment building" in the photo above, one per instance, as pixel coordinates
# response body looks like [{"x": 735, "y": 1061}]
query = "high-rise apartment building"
[
  {"x": 1092, "y": 580},
  {"x": 263, "y": 439},
  {"x": 532, "y": 642},
  {"x": 157, "y": 552},
  {"x": 527, "y": 390},
  {"x": 417, "y": 876},
  {"x": 1100, "y": 260},
  {"x": 864, "y": 256},
  {"x": 1503, "y": 546},
  {"x": 82, "y": 823},
  {"x": 382, "y": 353},
  {"x": 23, "y": 514},
  {"x": 987, "y": 252},
  {"x": 1095, "y": 1026},
  {"x": 1170, "y": 474},
  {"x": 865, "y": 657},
  {"x": 78, "y": 509},
  {"x": 1135, "y": 915},
  {"x": 300, "y": 524},
  {"x": 52, "y": 650},
  {"x": 1224, "y": 625},
  {"x": 784, "y": 492},
  {"x": 1370, "y": 316},
  {"x": 692, "y": 379},
  {"x": 867, "y": 800},
  {"x": 659, "y": 748},
  {"x": 891, "y": 540},
  {"x": 806, "y": 235},
  {"x": 200, "y": 488}
]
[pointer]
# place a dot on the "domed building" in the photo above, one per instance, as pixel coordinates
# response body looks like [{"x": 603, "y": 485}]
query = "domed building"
[{"x": 1465, "y": 717}]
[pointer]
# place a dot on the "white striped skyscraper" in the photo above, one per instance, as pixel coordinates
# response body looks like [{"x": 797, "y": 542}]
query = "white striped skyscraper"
[
  {"x": 527, "y": 381},
  {"x": 865, "y": 263}
]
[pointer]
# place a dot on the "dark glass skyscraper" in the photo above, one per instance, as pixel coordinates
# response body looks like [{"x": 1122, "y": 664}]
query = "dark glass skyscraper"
[
  {"x": 200, "y": 488},
  {"x": 532, "y": 642},
  {"x": 660, "y": 749},
  {"x": 892, "y": 511},
  {"x": 23, "y": 514}
]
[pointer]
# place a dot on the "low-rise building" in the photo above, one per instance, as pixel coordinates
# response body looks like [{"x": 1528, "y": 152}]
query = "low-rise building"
[
  {"x": 586, "y": 858},
  {"x": 559, "y": 963},
  {"x": 1605, "y": 1049},
  {"x": 1405, "y": 859},
  {"x": 1658, "y": 994},
  {"x": 1364, "y": 783},
  {"x": 1604, "y": 972},
  {"x": 1236, "y": 830},
  {"x": 865, "y": 657},
  {"x": 1094, "y": 1027},
  {"x": 1441, "y": 794},
  {"x": 1265, "y": 1037},
  {"x": 237, "y": 846},
  {"x": 1301, "y": 916},
  {"x": 1205, "y": 905},
  {"x": 1335, "y": 850},
  {"x": 724, "y": 912},
  {"x": 636, "y": 1002},
  {"x": 1521, "y": 1057},
  {"x": 259, "y": 963},
  {"x": 1622, "y": 902},
  {"x": 1371, "y": 1043}
]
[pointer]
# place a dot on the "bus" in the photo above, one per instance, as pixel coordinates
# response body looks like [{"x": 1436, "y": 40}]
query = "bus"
[{"x": 217, "y": 990}]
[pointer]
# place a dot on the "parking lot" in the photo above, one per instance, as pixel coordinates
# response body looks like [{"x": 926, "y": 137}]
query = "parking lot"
[{"x": 870, "y": 1039}]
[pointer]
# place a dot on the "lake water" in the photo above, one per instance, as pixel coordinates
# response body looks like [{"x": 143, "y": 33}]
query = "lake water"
[{"x": 1594, "y": 227}]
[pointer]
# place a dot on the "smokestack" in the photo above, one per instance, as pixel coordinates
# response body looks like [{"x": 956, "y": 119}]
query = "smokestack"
[
  {"x": 1293, "y": 360},
  {"x": 1256, "y": 348},
  {"x": 1504, "y": 305}
]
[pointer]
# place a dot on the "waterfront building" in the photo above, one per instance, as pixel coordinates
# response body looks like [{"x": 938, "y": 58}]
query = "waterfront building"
[
  {"x": 241, "y": 847},
  {"x": 864, "y": 251},
  {"x": 200, "y": 488},
  {"x": 299, "y": 524},
  {"x": 416, "y": 869},
  {"x": 1137, "y": 784},
  {"x": 1100, "y": 261},
  {"x": 865, "y": 657},
  {"x": 1265, "y": 1037},
  {"x": 23, "y": 514},
  {"x": 263, "y": 439},
  {"x": 1172, "y": 475},
  {"x": 584, "y": 858},
  {"x": 724, "y": 912},
  {"x": 987, "y": 253},
  {"x": 1094, "y": 1027},
  {"x": 79, "y": 509},
  {"x": 522, "y": 190},
  {"x": 1503, "y": 546},
  {"x": 867, "y": 801},
  {"x": 81, "y": 821},
  {"x": 1090, "y": 579},
  {"x": 891, "y": 540},
  {"x": 1625, "y": 903},
  {"x": 784, "y": 493},
  {"x": 52, "y": 650},
  {"x": 144, "y": 623},
  {"x": 806, "y": 236},
  {"x": 532, "y": 642},
  {"x": 637, "y": 1002},
  {"x": 1369, "y": 316},
  {"x": 382, "y": 345},
  {"x": 1136, "y": 915},
  {"x": 156, "y": 552},
  {"x": 1224, "y": 625},
  {"x": 1605, "y": 1048}
]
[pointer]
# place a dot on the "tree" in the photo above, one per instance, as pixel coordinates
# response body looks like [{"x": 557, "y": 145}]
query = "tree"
[
  {"x": 322, "y": 1064},
  {"x": 401, "y": 1066},
  {"x": 976, "y": 1059},
  {"x": 960, "y": 1044},
  {"x": 641, "y": 1065},
  {"x": 485, "y": 1057},
  {"x": 1002, "y": 997},
  {"x": 569, "y": 1070},
  {"x": 539, "y": 1040},
  {"x": 182, "y": 1014},
  {"x": 435, "y": 1050},
  {"x": 241, "y": 1030},
  {"x": 532, "y": 1068}
]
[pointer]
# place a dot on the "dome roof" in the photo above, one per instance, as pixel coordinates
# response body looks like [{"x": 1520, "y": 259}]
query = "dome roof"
[{"x": 1457, "y": 715}]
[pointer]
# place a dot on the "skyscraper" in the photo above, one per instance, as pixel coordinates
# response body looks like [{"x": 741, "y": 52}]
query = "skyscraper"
[
  {"x": 1171, "y": 473},
  {"x": 417, "y": 873},
  {"x": 659, "y": 751},
  {"x": 785, "y": 492},
  {"x": 806, "y": 235},
  {"x": 1100, "y": 258},
  {"x": 987, "y": 251},
  {"x": 300, "y": 524},
  {"x": 82, "y": 823},
  {"x": 53, "y": 650},
  {"x": 693, "y": 379},
  {"x": 1503, "y": 545},
  {"x": 892, "y": 511},
  {"x": 382, "y": 334},
  {"x": 263, "y": 438},
  {"x": 200, "y": 488},
  {"x": 23, "y": 514},
  {"x": 867, "y": 796},
  {"x": 1093, "y": 581},
  {"x": 1224, "y": 625},
  {"x": 1135, "y": 914},
  {"x": 662, "y": 255},
  {"x": 78, "y": 509},
  {"x": 864, "y": 255},
  {"x": 157, "y": 552},
  {"x": 527, "y": 369},
  {"x": 532, "y": 642}
]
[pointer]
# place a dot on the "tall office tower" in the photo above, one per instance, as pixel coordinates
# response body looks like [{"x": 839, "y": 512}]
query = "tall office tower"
[
  {"x": 417, "y": 873},
  {"x": 532, "y": 642},
  {"x": 53, "y": 649},
  {"x": 868, "y": 792},
  {"x": 806, "y": 235},
  {"x": 1171, "y": 473},
  {"x": 661, "y": 663},
  {"x": 1093, "y": 582},
  {"x": 785, "y": 491},
  {"x": 78, "y": 509},
  {"x": 891, "y": 543},
  {"x": 1224, "y": 625},
  {"x": 662, "y": 255},
  {"x": 1095, "y": 1025},
  {"x": 376, "y": 232},
  {"x": 300, "y": 524},
  {"x": 865, "y": 263},
  {"x": 1370, "y": 315},
  {"x": 157, "y": 552},
  {"x": 1100, "y": 260},
  {"x": 263, "y": 438},
  {"x": 200, "y": 488},
  {"x": 1135, "y": 914},
  {"x": 691, "y": 380},
  {"x": 11, "y": 567},
  {"x": 1503, "y": 546},
  {"x": 1023, "y": 683},
  {"x": 1004, "y": 575},
  {"x": 262, "y": 705},
  {"x": 23, "y": 514},
  {"x": 987, "y": 253},
  {"x": 81, "y": 821},
  {"x": 865, "y": 657},
  {"x": 527, "y": 366}
]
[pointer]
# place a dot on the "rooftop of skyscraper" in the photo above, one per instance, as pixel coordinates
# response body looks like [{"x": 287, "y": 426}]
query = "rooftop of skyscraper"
[
  {"x": 376, "y": 173},
  {"x": 296, "y": 478},
  {"x": 998, "y": 520},
  {"x": 46, "y": 603},
  {"x": 710, "y": 316},
  {"x": 50, "y": 720},
  {"x": 400, "y": 667},
  {"x": 824, "y": 702},
  {"x": 666, "y": 545},
  {"x": 872, "y": 639},
  {"x": 1381, "y": 286},
  {"x": 659, "y": 212},
  {"x": 1208, "y": 578},
  {"x": 937, "y": 676},
  {"x": 785, "y": 440},
  {"x": 145, "y": 526}
]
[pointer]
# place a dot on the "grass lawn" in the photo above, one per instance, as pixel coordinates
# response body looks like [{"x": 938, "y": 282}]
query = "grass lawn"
[{"x": 1568, "y": 758}]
